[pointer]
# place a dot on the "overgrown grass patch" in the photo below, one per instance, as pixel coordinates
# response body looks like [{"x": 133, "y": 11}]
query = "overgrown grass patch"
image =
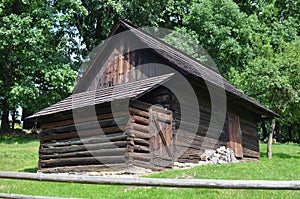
[{"x": 21, "y": 154}]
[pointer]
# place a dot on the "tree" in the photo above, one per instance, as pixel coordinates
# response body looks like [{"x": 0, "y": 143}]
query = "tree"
[
  {"x": 274, "y": 80},
  {"x": 223, "y": 30},
  {"x": 34, "y": 60}
]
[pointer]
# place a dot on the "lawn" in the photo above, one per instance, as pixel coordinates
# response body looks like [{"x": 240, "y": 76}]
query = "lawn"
[{"x": 21, "y": 154}]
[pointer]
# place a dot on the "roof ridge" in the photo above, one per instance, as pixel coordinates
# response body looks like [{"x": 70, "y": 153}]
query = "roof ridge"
[{"x": 131, "y": 26}]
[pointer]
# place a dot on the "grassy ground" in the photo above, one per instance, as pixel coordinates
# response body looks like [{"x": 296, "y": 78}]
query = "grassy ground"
[{"x": 20, "y": 154}]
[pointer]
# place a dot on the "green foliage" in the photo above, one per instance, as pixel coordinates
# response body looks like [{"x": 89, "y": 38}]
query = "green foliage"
[
  {"x": 273, "y": 79},
  {"x": 222, "y": 30},
  {"x": 35, "y": 60},
  {"x": 254, "y": 43}
]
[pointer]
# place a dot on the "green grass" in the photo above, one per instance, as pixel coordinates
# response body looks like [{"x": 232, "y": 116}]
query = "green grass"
[{"x": 21, "y": 154}]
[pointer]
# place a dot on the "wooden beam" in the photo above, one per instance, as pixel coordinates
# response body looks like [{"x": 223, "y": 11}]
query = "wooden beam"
[
  {"x": 139, "y": 112},
  {"x": 187, "y": 183},
  {"x": 140, "y": 120}
]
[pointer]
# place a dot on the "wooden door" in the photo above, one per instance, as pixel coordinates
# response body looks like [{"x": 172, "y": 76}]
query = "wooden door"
[
  {"x": 161, "y": 137},
  {"x": 234, "y": 132}
]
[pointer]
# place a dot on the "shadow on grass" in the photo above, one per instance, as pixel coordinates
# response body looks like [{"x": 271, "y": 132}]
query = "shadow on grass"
[
  {"x": 280, "y": 155},
  {"x": 29, "y": 170}
]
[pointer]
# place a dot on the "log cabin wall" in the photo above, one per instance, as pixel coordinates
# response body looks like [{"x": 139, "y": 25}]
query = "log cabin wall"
[
  {"x": 188, "y": 145},
  {"x": 63, "y": 149},
  {"x": 249, "y": 130},
  {"x": 139, "y": 135}
]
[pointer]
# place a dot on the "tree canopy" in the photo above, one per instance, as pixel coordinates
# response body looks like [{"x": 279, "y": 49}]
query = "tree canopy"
[{"x": 254, "y": 43}]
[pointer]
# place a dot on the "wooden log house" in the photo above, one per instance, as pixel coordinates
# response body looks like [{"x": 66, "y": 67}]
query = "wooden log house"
[{"x": 92, "y": 131}]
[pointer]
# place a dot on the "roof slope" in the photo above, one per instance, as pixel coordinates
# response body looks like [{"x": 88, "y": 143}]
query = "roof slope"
[
  {"x": 192, "y": 66},
  {"x": 90, "y": 98}
]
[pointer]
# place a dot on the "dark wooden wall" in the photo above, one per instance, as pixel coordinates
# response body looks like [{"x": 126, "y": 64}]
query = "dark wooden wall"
[
  {"x": 248, "y": 127},
  {"x": 63, "y": 149},
  {"x": 66, "y": 147}
]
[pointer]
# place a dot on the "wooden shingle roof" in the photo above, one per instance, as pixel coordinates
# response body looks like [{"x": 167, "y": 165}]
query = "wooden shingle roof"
[
  {"x": 175, "y": 57},
  {"x": 193, "y": 67},
  {"x": 90, "y": 98}
]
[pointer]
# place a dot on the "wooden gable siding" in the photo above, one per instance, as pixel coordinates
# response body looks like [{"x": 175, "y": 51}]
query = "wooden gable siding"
[{"x": 124, "y": 66}]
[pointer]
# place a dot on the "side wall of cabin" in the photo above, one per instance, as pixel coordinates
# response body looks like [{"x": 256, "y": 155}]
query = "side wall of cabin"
[
  {"x": 190, "y": 144},
  {"x": 99, "y": 141}
]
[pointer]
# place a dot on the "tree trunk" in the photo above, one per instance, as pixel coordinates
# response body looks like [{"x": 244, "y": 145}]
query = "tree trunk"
[
  {"x": 264, "y": 130},
  {"x": 7, "y": 83},
  {"x": 13, "y": 120},
  {"x": 278, "y": 132},
  {"x": 5, "y": 117},
  {"x": 290, "y": 134},
  {"x": 269, "y": 149},
  {"x": 298, "y": 133},
  {"x": 27, "y": 124}
]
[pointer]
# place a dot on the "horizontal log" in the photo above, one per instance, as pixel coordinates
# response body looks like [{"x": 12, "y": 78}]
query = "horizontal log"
[
  {"x": 88, "y": 140},
  {"x": 140, "y": 127},
  {"x": 185, "y": 160},
  {"x": 89, "y": 125},
  {"x": 190, "y": 138},
  {"x": 82, "y": 161},
  {"x": 143, "y": 164},
  {"x": 140, "y": 148},
  {"x": 250, "y": 153},
  {"x": 139, "y": 112},
  {"x": 140, "y": 156},
  {"x": 140, "y": 120},
  {"x": 101, "y": 152},
  {"x": 61, "y": 136},
  {"x": 140, "y": 105},
  {"x": 68, "y": 149},
  {"x": 85, "y": 168},
  {"x": 163, "y": 162},
  {"x": 138, "y": 134},
  {"x": 251, "y": 124},
  {"x": 141, "y": 141},
  {"x": 188, "y": 183},
  {"x": 84, "y": 120}
]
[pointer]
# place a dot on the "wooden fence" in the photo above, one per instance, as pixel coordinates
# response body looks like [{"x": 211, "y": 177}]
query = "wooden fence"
[{"x": 133, "y": 181}]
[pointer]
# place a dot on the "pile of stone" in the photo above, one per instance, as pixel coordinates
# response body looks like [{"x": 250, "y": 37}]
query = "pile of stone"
[{"x": 219, "y": 156}]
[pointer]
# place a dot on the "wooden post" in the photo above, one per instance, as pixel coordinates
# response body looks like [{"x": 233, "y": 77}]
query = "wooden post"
[{"x": 269, "y": 149}]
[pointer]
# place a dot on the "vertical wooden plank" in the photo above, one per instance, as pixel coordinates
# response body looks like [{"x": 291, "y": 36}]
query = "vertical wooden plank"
[
  {"x": 116, "y": 69},
  {"x": 234, "y": 131},
  {"x": 162, "y": 141},
  {"x": 239, "y": 147},
  {"x": 138, "y": 66},
  {"x": 230, "y": 131},
  {"x": 133, "y": 67},
  {"x": 121, "y": 69},
  {"x": 127, "y": 70}
]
